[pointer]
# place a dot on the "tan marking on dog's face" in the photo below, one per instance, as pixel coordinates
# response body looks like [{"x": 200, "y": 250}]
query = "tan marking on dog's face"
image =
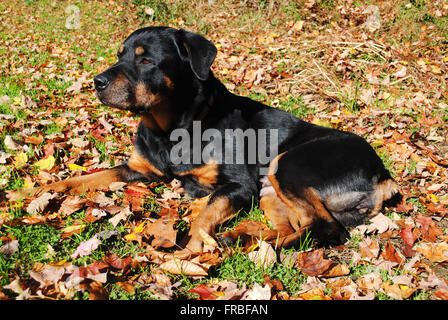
[
  {"x": 144, "y": 97},
  {"x": 121, "y": 49},
  {"x": 117, "y": 93},
  {"x": 206, "y": 175},
  {"x": 384, "y": 191},
  {"x": 139, "y": 50}
]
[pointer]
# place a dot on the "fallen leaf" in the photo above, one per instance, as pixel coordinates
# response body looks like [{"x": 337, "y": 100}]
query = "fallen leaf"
[
  {"x": 265, "y": 256},
  {"x": 369, "y": 248},
  {"x": 71, "y": 204},
  {"x": 122, "y": 214},
  {"x": 401, "y": 71},
  {"x": 116, "y": 262},
  {"x": 370, "y": 282},
  {"x": 442, "y": 294},
  {"x": 207, "y": 239},
  {"x": 163, "y": 232},
  {"x": 336, "y": 270},
  {"x": 313, "y": 263},
  {"x": 34, "y": 140},
  {"x": 258, "y": 292},
  {"x": 39, "y": 204},
  {"x": 11, "y": 144},
  {"x": 314, "y": 294},
  {"x": 203, "y": 291},
  {"x": 408, "y": 236},
  {"x": 381, "y": 223},
  {"x": 20, "y": 160},
  {"x": 391, "y": 254},
  {"x": 435, "y": 252},
  {"x": 74, "y": 166},
  {"x": 397, "y": 291},
  {"x": 45, "y": 164},
  {"x": 85, "y": 248},
  {"x": 10, "y": 248},
  {"x": 185, "y": 267},
  {"x": 47, "y": 274}
]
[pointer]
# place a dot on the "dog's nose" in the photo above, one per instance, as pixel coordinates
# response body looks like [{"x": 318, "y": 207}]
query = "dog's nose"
[{"x": 101, "y": 82}]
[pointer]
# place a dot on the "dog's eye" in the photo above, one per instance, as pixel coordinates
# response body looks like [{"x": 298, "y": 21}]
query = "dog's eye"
[{"x": 145, "y": 61}]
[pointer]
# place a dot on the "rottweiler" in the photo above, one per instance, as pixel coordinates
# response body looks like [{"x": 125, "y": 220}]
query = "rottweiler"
[{"x": 317, "y": 179}]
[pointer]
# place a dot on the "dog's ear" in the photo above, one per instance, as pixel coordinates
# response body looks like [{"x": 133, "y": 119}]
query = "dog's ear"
[{"x": 198, "y": 51}]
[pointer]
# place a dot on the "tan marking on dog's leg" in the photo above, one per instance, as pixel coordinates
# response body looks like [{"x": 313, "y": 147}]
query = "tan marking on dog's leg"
[
  {"x": 216, "y": 212},
  {"x": 78, "y": 185},
  {"x": 140, "y": 164}
]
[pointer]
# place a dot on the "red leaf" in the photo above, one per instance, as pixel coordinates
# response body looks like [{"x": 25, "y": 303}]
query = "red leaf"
[
  {"x": 391, "y": 254},
  {"x": 203, "y": 291},
  {"x": 407, "y": 236},
  {"x": 441, "y": 294},
  {"x": 404, "y": 207},
  {"x": 93, "y": 171},
  {"x": 430, "y": 231},
  {"x": 116, "y": 262}
]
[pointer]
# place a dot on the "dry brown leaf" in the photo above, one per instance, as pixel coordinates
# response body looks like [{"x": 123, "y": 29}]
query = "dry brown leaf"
[
  {"x": 71, "y": 204},
  {"x": 313, "y": 263},
  {"x": 257, "y": 292},
  {"x": 185, "y": 267},
  {"x": 39, "y": 204},
  {"x": 207, "y": 239},
  {"x": 391, "y": 254},
  {"x": 369, "y": 248},
  {"x": 265, "y": 256},
  {"x": 314, "y": 294},
  {"x": 370, "y": 282},
  {"x": 336, "y": 270},
  {"x": 163, "y": 232},
  {"x": 435, "y": 252},
  {"x": 397, "y": 291}
]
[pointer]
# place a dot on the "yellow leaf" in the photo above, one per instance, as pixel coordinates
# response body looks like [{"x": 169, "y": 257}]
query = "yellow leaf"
[
  {"x": 130, "y": 237},
  {"x": 20, "y": 160},
  {"x": 336, "y": 121},
  {"x": 45, "y": 164},
  {"x": 377, "y": 142},
  {"x": 28, "y": 183},
  {"x": 219, "y": 293},
  {"x": 17, "y": 101},
  {"x": 436, "y": 69},
  {"x": 140, "y": 227},
  {"x": 322, "y": 123},
  {"x": 74, "y": 167}
]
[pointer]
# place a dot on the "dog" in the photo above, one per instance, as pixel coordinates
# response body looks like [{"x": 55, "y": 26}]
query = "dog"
[{"x": 320, "y": 180}]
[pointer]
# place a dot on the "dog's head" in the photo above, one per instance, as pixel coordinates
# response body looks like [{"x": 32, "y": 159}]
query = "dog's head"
[{"x": 155, "y": 65}]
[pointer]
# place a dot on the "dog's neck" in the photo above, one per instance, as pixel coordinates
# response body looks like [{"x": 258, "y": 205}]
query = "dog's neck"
[{"x": 157, "y": 122}]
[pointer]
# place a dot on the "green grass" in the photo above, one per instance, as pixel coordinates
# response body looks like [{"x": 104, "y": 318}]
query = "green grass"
[{"x": 296, "y": 106}]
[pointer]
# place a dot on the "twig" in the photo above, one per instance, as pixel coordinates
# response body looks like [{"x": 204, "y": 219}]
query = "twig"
[{"x": 324, "y": 74}]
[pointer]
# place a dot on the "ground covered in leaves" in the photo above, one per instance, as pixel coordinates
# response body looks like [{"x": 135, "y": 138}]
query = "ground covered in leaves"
[{"x": 379, "y": 70}]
